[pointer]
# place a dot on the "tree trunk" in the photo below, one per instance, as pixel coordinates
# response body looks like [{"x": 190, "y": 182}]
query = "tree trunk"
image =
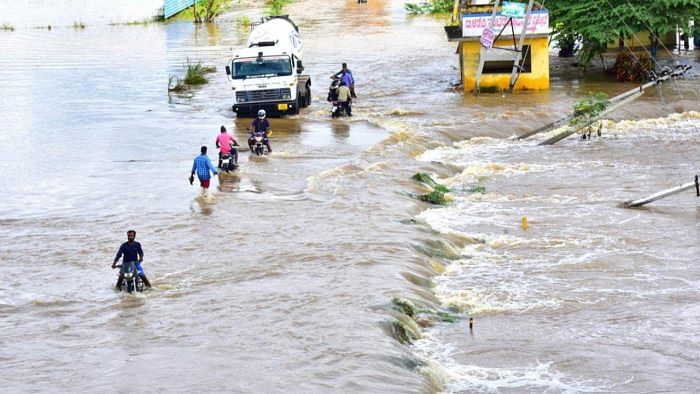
[
  {"x": 602, "y": 58},
  {"x": 197, "y": 18},
  {"x": 621, "y": 43},
  {"x": 211, "y": 12}
]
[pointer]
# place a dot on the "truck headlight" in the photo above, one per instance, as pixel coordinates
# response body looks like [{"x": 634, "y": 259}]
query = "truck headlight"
[{"x": 286, "y": 94}]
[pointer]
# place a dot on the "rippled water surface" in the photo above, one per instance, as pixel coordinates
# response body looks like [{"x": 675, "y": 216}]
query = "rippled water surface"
[{"x": 283, "y": 280}]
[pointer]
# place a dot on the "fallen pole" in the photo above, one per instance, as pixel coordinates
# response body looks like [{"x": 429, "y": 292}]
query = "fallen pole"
[
  {"x": 572, "y": 129},
  {"x": 664, "y": 194},
  {"x": 551, "y": 126},
  {"x": 666, "y": 74}
]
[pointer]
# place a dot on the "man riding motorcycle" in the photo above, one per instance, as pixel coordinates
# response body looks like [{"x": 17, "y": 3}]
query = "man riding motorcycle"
[
  {"x": 260, "y": 125},
  {"x": 226, "y": 144}
]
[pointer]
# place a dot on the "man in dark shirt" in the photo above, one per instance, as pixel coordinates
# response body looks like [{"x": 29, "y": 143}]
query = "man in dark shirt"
[
  {"x": 260, "y": 125},
  {"x": 132, "y": 252}
]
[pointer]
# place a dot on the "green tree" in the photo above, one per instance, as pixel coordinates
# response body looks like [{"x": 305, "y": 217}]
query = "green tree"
[{"x": 598, "y": 22}]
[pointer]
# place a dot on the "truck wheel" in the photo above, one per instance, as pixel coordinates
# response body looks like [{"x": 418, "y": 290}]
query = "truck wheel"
[
  {"x": 307, "y": 97},
  {"x": 297, "y": 104}
]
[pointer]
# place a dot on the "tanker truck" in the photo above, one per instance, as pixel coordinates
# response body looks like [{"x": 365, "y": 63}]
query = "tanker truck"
[{"x": 267, "y": 73}]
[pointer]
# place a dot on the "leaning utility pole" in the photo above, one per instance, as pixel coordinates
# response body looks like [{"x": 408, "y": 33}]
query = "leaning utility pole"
[
  {"x": 484, "y": 50},
  {"x": 517, "y": 69},
  {"x": 664, "y": 194}
]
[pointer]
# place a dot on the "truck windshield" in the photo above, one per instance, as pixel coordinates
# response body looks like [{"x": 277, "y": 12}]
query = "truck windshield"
[{"x": 268, "y": 67}]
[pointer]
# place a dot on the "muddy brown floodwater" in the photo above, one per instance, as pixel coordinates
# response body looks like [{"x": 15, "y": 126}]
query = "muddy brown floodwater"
[{"x": 283, "y": 280}]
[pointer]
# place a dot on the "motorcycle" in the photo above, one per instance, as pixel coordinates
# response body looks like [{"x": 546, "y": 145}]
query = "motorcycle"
[
  {"x": 227, "y": 162},
  {"x": 336, "y": 109},
  {"x": 259, "y": 147},
  {"x": 131, "y": 280}
]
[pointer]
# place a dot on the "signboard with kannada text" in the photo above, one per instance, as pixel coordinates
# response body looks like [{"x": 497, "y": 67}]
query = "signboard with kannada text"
[
  {"x": 513, "y": 9},
  {"x": 474, "y": 24}
]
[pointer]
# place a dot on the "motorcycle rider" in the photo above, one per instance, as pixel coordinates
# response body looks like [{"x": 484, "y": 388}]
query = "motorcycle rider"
[
  {"x": 344, "y": 98},
  {"x": 132, "y": 252},
  {"x": 226, "y": 143},
  {"x": 346, "y": 75},
  {"x": 260, "y": 125}
]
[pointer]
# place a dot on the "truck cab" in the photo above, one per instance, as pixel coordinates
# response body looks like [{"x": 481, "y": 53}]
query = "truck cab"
[{"x": 268, "y": 73}]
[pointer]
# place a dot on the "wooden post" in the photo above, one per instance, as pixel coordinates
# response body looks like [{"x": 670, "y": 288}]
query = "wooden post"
[
  {"x": 664, "y": 194},
  {"x": 484, "y": 51},
  {"x": 519, "y": 49}
]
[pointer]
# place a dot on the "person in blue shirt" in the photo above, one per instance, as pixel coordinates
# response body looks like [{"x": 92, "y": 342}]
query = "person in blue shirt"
[
  {"x": 132, "y": 252},
  {"x": 202, "y": 166},
  {"x": 346, "y": 76}
]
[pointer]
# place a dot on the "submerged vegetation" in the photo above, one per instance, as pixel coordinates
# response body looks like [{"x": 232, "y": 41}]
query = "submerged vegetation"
[
  {"x": 430, "y": 7},
  {"x": 589, "y": 107},
  {"x": 406, "y": 327},
  {"x": 438, "y": 195},
  {"x": 194, "y": 75},
  {"x": 275, "y": 7},
  {"x": 244, "y": 21},
  {"x": 477, "y": 189}
]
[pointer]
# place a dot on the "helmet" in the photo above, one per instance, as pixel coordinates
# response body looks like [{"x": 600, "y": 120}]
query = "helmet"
[{"x": 261, "y": 114}]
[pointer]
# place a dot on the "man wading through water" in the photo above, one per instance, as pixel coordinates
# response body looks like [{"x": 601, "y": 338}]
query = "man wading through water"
[
  {"x": 202, "y": 166},
  {"x": 132, "y": 252}
]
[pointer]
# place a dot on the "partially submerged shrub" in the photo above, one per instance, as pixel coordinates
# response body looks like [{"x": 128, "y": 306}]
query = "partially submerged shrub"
[
  {"x": 589, "y": 107},
  {"x": 7, "y": 27},
  {"x": 629, "y": 68}
]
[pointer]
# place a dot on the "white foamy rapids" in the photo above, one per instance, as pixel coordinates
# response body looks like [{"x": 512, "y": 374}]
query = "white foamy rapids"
[
  {"x": 455, "y": 220},
  {"x": 334, "y": 180},
  {"x": 536, "y": 377},
  {"x": 684, "y": 125},
  {"x": 488, "y": 283},
  {"x": 404, "y": 112},
  {"x": 464, "y": 152}
]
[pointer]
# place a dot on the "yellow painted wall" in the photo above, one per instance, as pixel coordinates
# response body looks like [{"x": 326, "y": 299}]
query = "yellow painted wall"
[
  {"x": 538, "y": 79},
  {"x": 641, "y": 39}
]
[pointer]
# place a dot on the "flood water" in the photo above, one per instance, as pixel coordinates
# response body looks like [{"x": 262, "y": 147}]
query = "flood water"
[{"x": 283, "y": 280}]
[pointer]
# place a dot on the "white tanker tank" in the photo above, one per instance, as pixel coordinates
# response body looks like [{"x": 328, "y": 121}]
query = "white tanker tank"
[
  {"x": 281, "y": 31},
  {"x": 267, "y": 74}
]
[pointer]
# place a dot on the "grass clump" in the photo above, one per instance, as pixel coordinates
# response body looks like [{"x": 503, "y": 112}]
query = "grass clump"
[
  {"x": 194, "y": 75},
  {"x": 275, "y": 7},
  {"x": 477, "y": 189},
  {"x": 438, "y": 195},
  {"x": 7, "y": 27},
  {"x": 244, "y": 21},
  {"x": 435, "y": 197},
  {"x": 430, "y": 7}
]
